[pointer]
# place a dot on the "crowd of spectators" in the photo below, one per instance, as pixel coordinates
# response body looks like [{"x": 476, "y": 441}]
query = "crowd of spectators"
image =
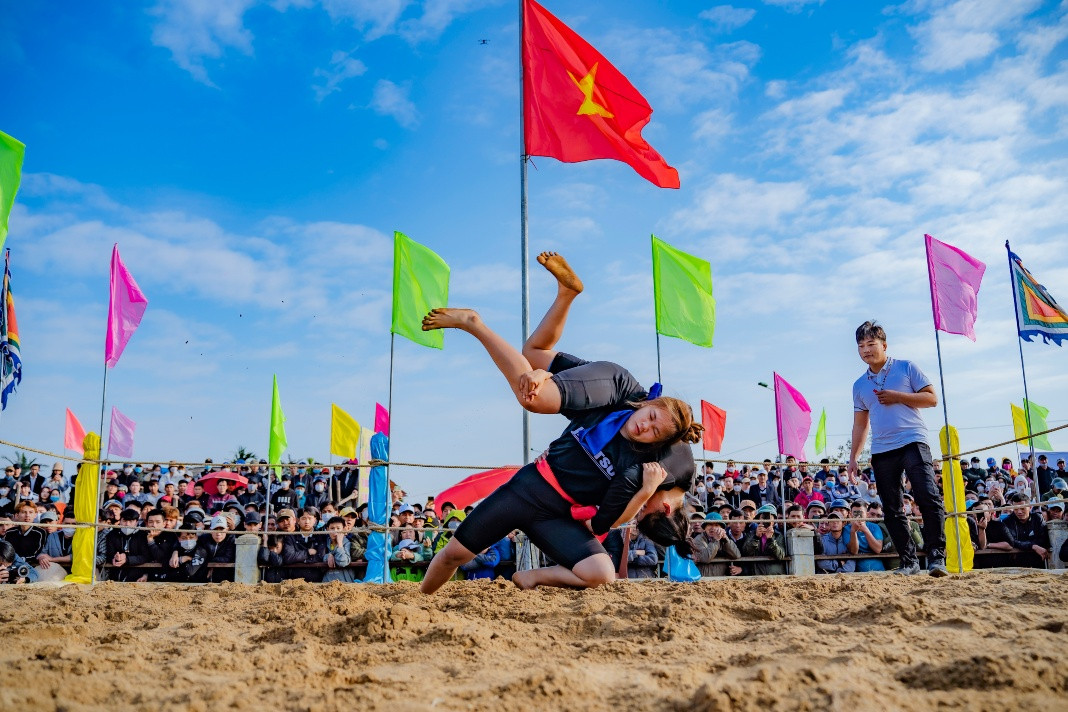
[{"x": 313, "y": 528}]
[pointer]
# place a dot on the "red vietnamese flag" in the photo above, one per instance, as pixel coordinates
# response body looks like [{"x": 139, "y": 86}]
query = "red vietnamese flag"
[
  {"x": 578, "y": 106},
  {"x": 715, "y": 421}
]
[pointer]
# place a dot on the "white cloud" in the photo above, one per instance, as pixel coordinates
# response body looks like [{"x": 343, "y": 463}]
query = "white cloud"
[
  {"x": 391, "y": 99},
  {"x": 343, "y": 66},
  {"x": 375, "y": 18},
  {"x": 437, "y": 15},
  {"x": 725, "y": 18},
  {"x": 958, "y": 33},
  {"x": 792, "y": 5},
  {"x": 197, "y": 29}
]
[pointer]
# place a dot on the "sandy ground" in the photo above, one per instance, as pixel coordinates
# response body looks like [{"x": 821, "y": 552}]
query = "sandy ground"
[{"x": 857, "y": 642}]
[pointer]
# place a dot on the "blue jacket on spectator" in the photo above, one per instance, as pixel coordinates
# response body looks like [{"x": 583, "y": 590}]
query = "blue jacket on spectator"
[
  {"x": 481, "y": 566},
  {"x": 640, "y": 566},
  {"x": 835, "y": 547}
]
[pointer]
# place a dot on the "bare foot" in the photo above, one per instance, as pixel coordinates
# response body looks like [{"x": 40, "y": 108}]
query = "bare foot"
[
  {"x": 445, "y": 318},
  {"x": 523, "y": 580},
  {"x": 560, "y": 269}
]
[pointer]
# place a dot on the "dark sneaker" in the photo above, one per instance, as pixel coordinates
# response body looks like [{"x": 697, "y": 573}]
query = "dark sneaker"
[
  {"x": 907, "y": 569},
  {"x": 937, "y": 569}
]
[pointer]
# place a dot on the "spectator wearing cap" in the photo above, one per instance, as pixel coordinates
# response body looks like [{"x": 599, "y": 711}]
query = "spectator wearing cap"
[
  {"x": 286, "y": 497},
  {"x": 1058, "y": 489},
  {"x": 795, "y": 516},
  {"x": 713, "y": 549},
  {"x": 127, "y": 548},
  {"x": 835, "y": 543},
  {"x": 973, "y": 474},
  {"x": 253, "y": 522},
  {"x": 215, "y": 547},
  {"x": 764, "y": 540},
  {"x": 807, "y": 493},
  {"x": 318, "y": 496},
  {"x": 748, "y": 508},
  {"x": 1054, "y": 510},
  {"x": 300, "y": 490},
  {"x": 864, "y": 537},
  {"x": 28, "y": 541},
  {"x": 642, "y": 557},
  {"x": 304, "y": 548},
  {"x": 1027, "y": 532},
  {"x": 762, "y": 491},
  {"x": 58, "y": 546}
]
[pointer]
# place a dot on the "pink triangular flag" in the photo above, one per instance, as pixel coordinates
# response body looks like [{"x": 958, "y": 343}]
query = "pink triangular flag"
[
  {"x": 120, "y": 441},
  {"x": 793, "y": 418},
  {"x": 126, "y": 306},
  {"x": 381, "y": 420},
  {"x": 955, "y": 278},
  {"x": 74, "y": 433}
]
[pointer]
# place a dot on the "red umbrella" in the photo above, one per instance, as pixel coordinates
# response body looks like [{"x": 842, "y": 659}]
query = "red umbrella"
[{"x": 211, "y": 481}]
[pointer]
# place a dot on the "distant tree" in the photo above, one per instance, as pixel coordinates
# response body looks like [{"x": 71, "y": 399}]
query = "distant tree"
[
  {"x": 22, "y": 460},
  {"x": 243, "y": 454}
]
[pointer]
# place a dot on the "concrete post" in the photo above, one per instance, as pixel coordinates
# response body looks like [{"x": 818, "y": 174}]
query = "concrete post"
[
  {"x": 799, "y": 543},
  {"x": 246, "y": 562},
  {"x": 1058, "y": 534}
]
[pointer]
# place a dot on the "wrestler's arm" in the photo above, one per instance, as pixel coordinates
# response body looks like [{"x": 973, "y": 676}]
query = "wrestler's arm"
[
  {"x": 652, "y": 478},
  {"x": 629, "y": 490}
]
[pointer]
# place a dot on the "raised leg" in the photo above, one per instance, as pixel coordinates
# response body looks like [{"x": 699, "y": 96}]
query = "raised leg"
[
  {"x": 444, "y": 565},
  {"x": 539, "y": 347},
  {"x": 510, "y": 362}
]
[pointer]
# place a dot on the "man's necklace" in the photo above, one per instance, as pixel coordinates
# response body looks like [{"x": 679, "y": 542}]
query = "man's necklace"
[{"x": 884, "y": 372}]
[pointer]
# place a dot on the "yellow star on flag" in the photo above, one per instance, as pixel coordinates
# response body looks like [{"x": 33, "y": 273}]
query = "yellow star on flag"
[{"x": 586, "y": 85}]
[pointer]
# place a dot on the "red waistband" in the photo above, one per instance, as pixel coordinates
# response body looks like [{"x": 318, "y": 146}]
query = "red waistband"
[{"x": 549, "y": 476}]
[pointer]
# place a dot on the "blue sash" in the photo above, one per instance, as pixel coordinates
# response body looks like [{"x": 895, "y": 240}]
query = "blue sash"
[{"x": 594, "y": 439}]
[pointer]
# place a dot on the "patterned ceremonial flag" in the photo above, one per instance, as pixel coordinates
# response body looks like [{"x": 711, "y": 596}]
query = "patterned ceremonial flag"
[
  {"x": 821, "y": 433},
  {"x": 121, "y": 437},
  {"x": 1037, "y": 312},
  {"x": 277, "y": 442},
  {"x": 1038, "y": 423},
  {"x": 10, "y": 355},
  {"x": 715, "y": 421},
  {"x": 344, "y": 433},
  {"x": 73, "y": 433},
  {"x": 682, "y": 295},
  {"x": 420, "y": 283},
  {"x": 577, "y": 106},
  {"x": 12, "y": 152},
  {"x": 126, "y": 306},
  {"x": 793, "y": 418},
  {"x": 955, "y": 277}
]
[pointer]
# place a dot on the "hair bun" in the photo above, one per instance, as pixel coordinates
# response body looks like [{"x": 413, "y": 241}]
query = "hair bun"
[{"x": 693, "y": 433}]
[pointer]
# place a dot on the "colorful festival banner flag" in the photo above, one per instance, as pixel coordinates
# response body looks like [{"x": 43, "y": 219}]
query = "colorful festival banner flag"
[
  {"x": 10, "y": 345},
  {"x": 955, "y": 278},
  {"x": 277, "y": 442},
  {"x": 1038, "y": 416},
  {"x": 344, "y": 433},
  {"x": 715, "y": 421},
  {"x": 126, "y": 306},
  {"x": 73, "y": 433},
  {"x": 1037, "y": 312},
  {"x": 420, "y": 283},
  {"x": 12, "y": 152},
  {"x": 682, "y": 295},
  {"x": 121, "y": 436},
  {"x": 381, "y": 419},
  {"x": 793, "y": 418},
  {"x": 821, "y": 433},
  {"x": 578, "y": 106}
]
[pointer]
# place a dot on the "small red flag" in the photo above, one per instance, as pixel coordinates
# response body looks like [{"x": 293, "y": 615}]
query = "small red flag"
[
  {"x": 715, "y": 421},
  {"x": 73, "y": 434},
  {"x": 578, "y": 106}
]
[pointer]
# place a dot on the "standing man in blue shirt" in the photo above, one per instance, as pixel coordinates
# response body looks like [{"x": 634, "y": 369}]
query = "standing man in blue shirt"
[{"x": 888, "y": 398}]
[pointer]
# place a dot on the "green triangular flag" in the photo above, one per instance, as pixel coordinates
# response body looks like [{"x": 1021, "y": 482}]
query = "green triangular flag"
[
  {"x": 682, "y": 294},
  {"x": 277, "y": 443},
  {"x": 1038, "y": 423},
  {"x": 821, "y": 433},
  {"x": 11, "y": 153},
  {"x": 420, "y": 283}
]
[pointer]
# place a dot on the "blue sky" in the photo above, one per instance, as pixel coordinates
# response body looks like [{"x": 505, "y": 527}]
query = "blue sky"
[{"x": 253, "y": 158}]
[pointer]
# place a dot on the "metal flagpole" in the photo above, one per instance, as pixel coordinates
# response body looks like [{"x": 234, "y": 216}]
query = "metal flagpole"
[
  {"x": 1023, "y": 370},
  {"x": 524, "y": 261},
  {"x": 389, "y": 438},
  {"x": 950, "y": 457},
  {"x": 99, "y": 488},
  {"x": 658, "y": 380},
  {"x": 948, "y": 461}
]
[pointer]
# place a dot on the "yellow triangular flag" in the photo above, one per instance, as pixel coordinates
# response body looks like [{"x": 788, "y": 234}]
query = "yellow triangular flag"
[
  {"x": 1019, "y": 421},
  {"x": 344, "y": 433}
]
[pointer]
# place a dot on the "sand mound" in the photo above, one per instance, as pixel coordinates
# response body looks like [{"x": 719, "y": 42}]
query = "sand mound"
[{"x": 858, "y": 642}]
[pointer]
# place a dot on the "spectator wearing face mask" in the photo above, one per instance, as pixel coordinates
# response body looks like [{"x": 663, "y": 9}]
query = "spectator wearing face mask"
[
  {"x": 762, "y": 492},
  {"x": 127, "y": 547},
  {"x": 318, "y": 496},
  {"x": 450, "y": 523}
]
